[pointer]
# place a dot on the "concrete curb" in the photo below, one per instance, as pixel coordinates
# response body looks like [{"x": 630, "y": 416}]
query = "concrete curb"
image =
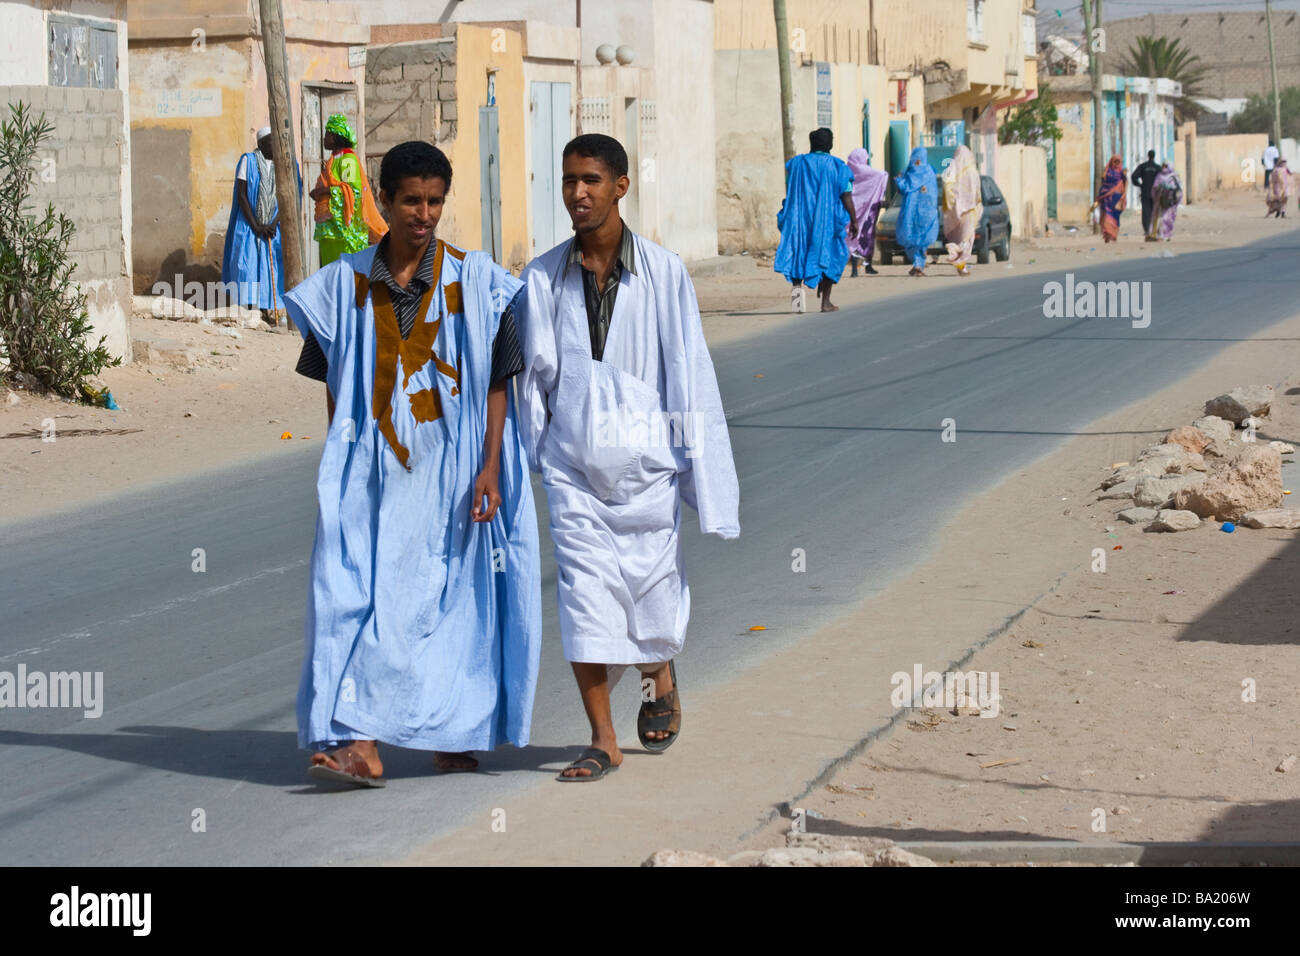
[{"x": 1101, "y": 854}]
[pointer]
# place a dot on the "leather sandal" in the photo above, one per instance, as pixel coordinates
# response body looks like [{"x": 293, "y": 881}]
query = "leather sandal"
[
  {"x": 662, "y": 714},
  {"x": 353, "y": 771}
]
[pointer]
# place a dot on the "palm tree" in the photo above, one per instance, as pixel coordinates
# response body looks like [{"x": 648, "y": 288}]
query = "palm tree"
[{"x": 1160, "y": 56}]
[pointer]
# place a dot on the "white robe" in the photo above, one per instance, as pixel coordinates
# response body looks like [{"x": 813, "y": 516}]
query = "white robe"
[{"x": 614, "y": 479}]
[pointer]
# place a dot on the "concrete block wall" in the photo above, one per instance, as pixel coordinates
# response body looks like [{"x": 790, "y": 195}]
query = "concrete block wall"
[
  {"x": 410, "y": 94},
  {"x": 84, "y": 182}
]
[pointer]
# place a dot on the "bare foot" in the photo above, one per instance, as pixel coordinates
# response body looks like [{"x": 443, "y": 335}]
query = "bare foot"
[
  {"x": 365, "y": 749},
  {"x": 610, "y": 747},
  {"x": 827, "y": 307},
  {"x": 454, "y": 763}
]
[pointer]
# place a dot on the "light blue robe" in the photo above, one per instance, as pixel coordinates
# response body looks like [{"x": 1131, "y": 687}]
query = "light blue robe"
[
  {"x": 245, "y": 258},
  {"x": 423, "y": 628},
  {"x": 813, "y": 220}
]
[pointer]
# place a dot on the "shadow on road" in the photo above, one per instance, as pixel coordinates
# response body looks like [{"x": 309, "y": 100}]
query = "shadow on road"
[{"x": 266, "y": 757}]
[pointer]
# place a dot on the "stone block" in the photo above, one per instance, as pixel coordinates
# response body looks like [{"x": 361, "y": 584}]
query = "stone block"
[
  {"x": 446, "y": 90},
  {"x": 421, "y": 72},
  {"x": 449, "y": 110}
]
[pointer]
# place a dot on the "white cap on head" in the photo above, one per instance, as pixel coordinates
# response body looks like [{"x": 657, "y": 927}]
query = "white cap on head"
[{"x": 262, "y": 133}]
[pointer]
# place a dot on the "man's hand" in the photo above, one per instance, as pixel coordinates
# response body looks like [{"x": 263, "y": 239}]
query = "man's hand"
[{"x": 485, "y": 486}]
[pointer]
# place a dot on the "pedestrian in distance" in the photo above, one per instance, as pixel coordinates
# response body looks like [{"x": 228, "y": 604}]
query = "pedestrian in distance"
[
  {"x": 1111, "y": 198},
  {"x": 1270, "y": 158},
  {"x": 620, "y": 412},
  {"x": 1279, "y": 190},
  {"x": 962, "y": 208},
  {"x": 347, "y": 219},
  {"x": 253, "y": 259},
  {"x": 869, "y": 187},
  {"x": 1143, "y": 178},
  {"x": 918, "y": 219},
  {"x": 817, "y": 211},
  {"x": 423, "y": 626},
  {"x": 1166, "y": 194}
]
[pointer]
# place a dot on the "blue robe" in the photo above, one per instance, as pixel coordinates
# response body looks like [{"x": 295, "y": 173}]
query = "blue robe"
[
  {"x": 244, "y": 260},
  {"x": 813, "y": 220},
  {"x": 423, "y": 628},
  {"x": 918, "y": 220}
]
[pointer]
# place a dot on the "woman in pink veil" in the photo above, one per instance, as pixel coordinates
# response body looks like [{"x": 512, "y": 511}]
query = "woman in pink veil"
[{"x": 868, "y": 198}]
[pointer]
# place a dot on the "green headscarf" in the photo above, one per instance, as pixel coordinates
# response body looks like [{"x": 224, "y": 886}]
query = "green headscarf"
[{"x": 339, "y": 125}]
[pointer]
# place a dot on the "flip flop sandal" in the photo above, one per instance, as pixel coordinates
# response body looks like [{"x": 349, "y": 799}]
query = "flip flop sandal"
[
  {"x": 353, "y": 772},
  {"x": 653, "y": 716},
  {"x": 592, "y": 755},
  {"x": 464, "y": 754}
]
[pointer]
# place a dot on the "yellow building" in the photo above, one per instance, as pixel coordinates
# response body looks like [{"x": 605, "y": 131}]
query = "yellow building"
[{"x": 198, "y": 96}]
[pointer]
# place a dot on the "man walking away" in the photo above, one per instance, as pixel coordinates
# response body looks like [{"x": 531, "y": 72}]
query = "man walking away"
[
  {"x": 818, "y": 206},
  {"x": 1144, "y": 178},
  {"x": 1270, "y": 160}
]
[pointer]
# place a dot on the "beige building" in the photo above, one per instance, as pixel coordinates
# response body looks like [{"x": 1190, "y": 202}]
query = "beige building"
[
  {"x": 68, "y": 60},
  {"x": 886, "y": 74},
  {"x": 198, "y": 96},
  {"x": 632, "y": 71}
]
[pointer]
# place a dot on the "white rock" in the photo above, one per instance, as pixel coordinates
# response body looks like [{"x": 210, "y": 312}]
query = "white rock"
[
  {"x": 1282, "y": 447},
  {"x": 1138, "y": 515},
  {"x": 1288, "y": 763},
  {"x": 681, "y": 858},
  {"x": 13, "y": 399},
  {"x": 897, "y": 856},
  {"x": 1272, "y": 518},
  {"x": 1154, "y": 492},
  {"x": 1241, "y": 403},
  {"x": 1169, "y": 520},
  {"x": 811, "y": 856},
  {"x": 1124, "y": 489}
]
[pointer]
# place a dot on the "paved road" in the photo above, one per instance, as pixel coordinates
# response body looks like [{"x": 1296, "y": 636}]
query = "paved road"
[{"x": 839, "y": 453}]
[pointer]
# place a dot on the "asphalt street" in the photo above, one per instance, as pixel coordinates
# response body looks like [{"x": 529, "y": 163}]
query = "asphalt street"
[{"x": 836, "y": 422}]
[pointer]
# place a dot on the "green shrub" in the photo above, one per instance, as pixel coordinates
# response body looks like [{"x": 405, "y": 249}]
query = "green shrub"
[{"x": 43, "y": 315}]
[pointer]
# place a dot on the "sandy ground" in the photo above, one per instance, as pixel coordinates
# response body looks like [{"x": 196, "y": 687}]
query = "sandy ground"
[
  {"x": 1124, "y": 693},
  {"x": 242, "y": 394}
]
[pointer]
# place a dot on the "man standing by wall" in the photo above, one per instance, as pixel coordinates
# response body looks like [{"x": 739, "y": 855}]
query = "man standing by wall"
[
  {"x": 1270, "y": 160},
  {"x": 253, "y": 259}
]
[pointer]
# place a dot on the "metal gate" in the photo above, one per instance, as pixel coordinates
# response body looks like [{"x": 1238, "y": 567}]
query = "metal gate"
[
  {"x": 489, "y": 148},
  {"x": 551, "y": 118}
]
